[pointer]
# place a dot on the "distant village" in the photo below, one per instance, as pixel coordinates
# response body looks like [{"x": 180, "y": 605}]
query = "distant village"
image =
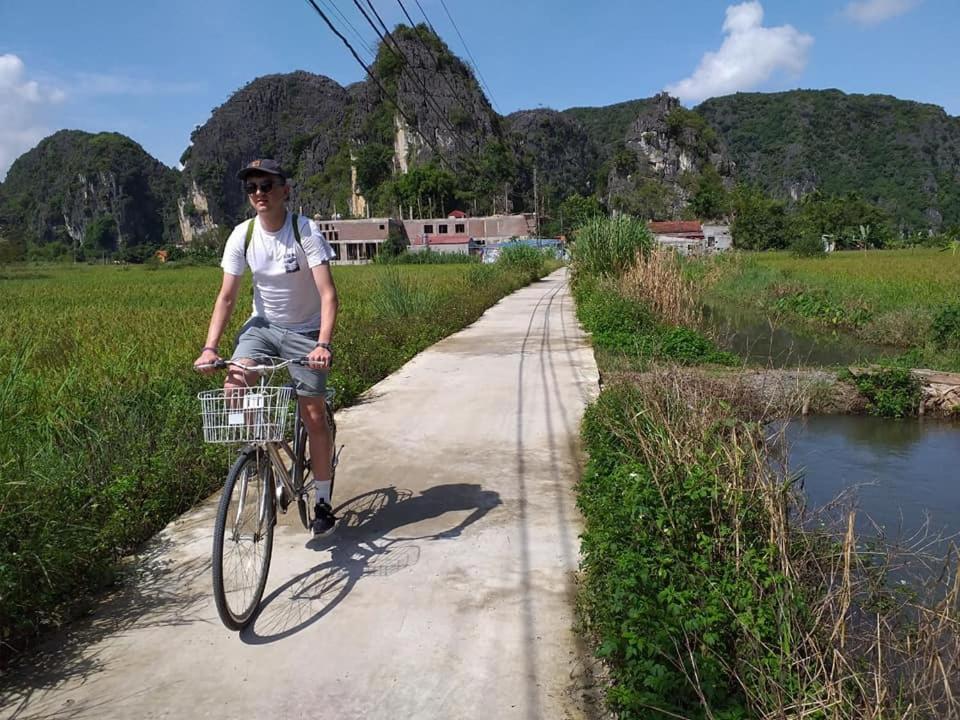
[{"x": 358, "y": 241}]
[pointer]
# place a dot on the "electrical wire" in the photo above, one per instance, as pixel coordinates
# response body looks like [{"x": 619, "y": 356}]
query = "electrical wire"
[
  {"x": 476, "y": 67},
  {"x": 453, "y": 92},
  {"x": 387, "y": 39},
  {"x": 372, "y": 76}
]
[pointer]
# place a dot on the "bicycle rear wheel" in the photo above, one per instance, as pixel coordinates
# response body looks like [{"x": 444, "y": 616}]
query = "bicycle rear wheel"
[{"x": 243, "y": 538}]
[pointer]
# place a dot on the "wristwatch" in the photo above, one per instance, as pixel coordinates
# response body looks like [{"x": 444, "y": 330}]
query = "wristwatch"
[{"x": 325, "y": 346}]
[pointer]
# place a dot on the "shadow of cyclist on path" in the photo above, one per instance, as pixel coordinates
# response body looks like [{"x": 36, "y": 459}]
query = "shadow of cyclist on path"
[{"x": 364, "y": 545}]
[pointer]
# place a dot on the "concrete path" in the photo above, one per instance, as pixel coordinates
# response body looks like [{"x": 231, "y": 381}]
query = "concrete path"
[{"x": 447, "y": 592}]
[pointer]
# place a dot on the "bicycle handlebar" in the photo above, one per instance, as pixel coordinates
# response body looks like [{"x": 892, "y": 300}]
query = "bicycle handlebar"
[{"x": 220, "y": 364}]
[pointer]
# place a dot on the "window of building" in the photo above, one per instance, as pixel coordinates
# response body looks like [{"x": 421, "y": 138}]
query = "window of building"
[
  {"x": 381, "y": 227},
  {"x": 427, "y": 229},
  {"x": 711, "y": 241},
  {"x": 442, "y": 229},
  {"x": 459, "y": 229}
]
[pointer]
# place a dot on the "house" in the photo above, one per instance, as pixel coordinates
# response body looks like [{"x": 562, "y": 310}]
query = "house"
[
  {"x": 358, "y": 241},
  {"x": 717, "y": 237},
  {"x": 690, "y": 237},
  {"x": 459, "y": 233}
]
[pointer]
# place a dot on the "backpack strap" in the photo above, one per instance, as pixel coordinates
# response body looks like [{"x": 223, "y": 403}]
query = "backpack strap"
[{"x": 250, "y": 225}]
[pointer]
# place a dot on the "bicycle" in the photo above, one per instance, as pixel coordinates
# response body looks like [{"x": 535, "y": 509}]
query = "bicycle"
[{"x": 258, "y": 483}]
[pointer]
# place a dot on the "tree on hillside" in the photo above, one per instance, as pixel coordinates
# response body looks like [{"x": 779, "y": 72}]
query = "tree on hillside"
[
  {"x": 759, "y": 223},
  {"x": 710, "y": 200},
  {"x": 849, "y": 219},
  {"x": 101, "y": 234},
  {"x": 577, "y": 210}
]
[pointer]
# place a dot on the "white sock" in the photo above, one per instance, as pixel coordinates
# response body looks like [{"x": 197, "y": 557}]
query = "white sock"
[{"x": 323, "y": 491}]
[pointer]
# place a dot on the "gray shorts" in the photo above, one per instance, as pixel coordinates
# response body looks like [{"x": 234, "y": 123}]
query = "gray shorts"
[{"x": 259, "y": 339}]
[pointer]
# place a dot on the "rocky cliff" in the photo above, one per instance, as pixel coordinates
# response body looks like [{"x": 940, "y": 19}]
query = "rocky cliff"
[
  {"x": 89, "y": 192},
  {"x": 299, "y": 118},
  {"x": 565, "y": 157},
  {"x": 664, "y": 154}
]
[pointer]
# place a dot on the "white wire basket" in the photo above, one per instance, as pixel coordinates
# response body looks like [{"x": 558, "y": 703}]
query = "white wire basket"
[{"x": 243, "y": 415}]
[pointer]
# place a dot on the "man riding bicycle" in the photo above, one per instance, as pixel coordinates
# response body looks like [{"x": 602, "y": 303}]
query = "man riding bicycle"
[{"x": 294, "y": 310}]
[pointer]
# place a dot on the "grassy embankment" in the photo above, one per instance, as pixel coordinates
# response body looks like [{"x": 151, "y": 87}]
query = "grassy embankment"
[
  {"x": 100, "y": 437},
  {"x": 700, "y": 590},
  {"x": 905, "y": 298}
]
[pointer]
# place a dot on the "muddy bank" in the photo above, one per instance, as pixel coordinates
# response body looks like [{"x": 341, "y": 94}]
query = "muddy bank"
[{"x": 778, "y": 392}]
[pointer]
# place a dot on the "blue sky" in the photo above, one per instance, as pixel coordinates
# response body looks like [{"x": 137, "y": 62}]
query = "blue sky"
[{"x": 154, "y": 70}]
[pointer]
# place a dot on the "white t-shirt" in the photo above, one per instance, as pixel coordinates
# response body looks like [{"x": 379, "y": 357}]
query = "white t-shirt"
[{"x": 284, "y": 291}]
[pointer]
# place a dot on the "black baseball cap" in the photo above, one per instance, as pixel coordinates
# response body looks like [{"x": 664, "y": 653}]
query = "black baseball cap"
[{"x": 264, "y": 165}]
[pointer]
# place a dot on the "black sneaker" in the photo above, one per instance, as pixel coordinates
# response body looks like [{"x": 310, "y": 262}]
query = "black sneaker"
[{"x": 324, "y": 521}]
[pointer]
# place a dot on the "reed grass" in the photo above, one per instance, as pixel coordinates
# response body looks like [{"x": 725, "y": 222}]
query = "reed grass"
[{"x": 607, "y": 247}]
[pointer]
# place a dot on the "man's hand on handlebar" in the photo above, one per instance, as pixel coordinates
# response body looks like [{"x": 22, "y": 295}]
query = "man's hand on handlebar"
[
  {"x": 206, "y": 363},
  {"x": 320, "y": 358}
]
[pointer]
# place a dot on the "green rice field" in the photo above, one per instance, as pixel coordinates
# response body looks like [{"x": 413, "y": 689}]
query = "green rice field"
[
  {"x": 100, "y": 434},
  {"x": 903, "y": 298}
]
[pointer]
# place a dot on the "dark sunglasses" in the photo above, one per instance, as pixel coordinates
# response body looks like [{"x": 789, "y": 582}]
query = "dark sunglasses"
[{"x": 265, "y": 187}]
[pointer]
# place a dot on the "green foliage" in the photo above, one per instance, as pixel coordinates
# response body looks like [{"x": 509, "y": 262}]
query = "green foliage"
[
  {"x": 525, "y": 260},
  {"x": 892, "y": 151},
  {"x": 710, "y": 199},
  {"x": 101, "y": 233},
  {"x": 808, "y": 245},
  {"x": 890, "y": 392},
  {"x": 428, "y": 257},
  {"x": 759, "y": 223},
  {"x": 374, "y": 163},
  {"x": 608, "y": 247},
  {"x": 849, "y": 221},
  {"x": 648, "y": 198},
  {"x": 577, "y": 211},
  {"x": 945, "y": 330},
  {"x": 663, "y": 590},
  {"x": 685, "y": 126},
  {"x": 625, "y": 161},
  {"x": 629, "y": 328}
]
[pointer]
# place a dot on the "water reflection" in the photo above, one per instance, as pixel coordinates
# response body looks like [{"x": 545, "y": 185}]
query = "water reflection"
[
  {"x": 765, "y": 340},
  {"x": 902, "y": 471}
]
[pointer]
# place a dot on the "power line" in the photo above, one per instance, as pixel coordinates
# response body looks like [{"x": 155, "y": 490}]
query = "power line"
[
  {"x": 453, "y": 92},
  {"x": 332, "y": 5},
  {"x": 376, "y": 80},
  {"x": 476, "y": 67},
  {"x": 428, "y": 98}
]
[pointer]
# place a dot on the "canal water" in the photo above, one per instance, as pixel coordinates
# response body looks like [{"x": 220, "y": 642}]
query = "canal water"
[
  {"x": 762, "y": 340},
  {"x": 902, "y": 473}
]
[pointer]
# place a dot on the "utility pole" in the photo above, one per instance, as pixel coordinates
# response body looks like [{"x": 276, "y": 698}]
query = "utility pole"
[{"x": 536, "y": 204}]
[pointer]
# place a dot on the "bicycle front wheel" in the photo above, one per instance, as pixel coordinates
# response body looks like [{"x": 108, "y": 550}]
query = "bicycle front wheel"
[{"x": 243, "y": 538}]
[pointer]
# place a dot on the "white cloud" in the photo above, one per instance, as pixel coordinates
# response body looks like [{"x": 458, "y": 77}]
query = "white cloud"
[
  {"x": 99, "y": 84},
  {"x": 871, "y": 12},
  {"x": 750, "y": 55},
  {"x": 23, "y": 104}
]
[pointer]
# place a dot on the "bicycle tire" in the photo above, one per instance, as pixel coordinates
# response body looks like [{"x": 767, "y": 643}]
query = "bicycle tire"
[{"x": 238, "y": 598}]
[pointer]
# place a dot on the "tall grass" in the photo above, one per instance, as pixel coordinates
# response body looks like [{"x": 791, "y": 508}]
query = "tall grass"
[
  {"x": 608, "y": 247},
  {"x": 100, "y": 441},
  {"x": 658, "y": 280},
  {"x": 709, "y": 600}
]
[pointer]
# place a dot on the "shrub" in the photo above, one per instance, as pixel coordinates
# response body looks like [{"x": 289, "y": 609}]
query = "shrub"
[
  {"x": 946, "y": 326},
  {"x": 608, "y": 247},
  {"x": 891, "y": 392},
  {"x": 807, "y": 245},
  {"x": 528, "y": 261}
]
